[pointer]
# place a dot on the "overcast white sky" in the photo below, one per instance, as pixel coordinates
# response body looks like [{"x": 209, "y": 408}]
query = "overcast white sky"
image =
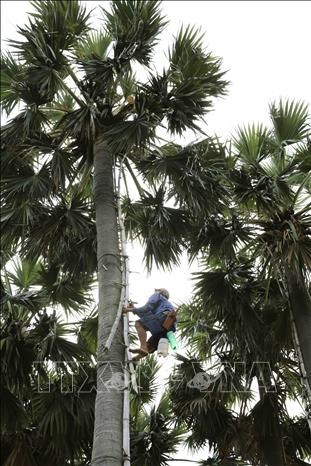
[{"x": 265, "y": 46}]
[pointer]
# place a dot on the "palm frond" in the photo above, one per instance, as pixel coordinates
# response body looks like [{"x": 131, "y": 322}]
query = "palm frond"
[
  {"x": 146, "y": 375},
  {"x": 25, "y": 274},
  {"x": 161, "y": 229},
  {"x": 286, "y": 237},
  {"x": 194, "y": 173},
  {"x": 135, "y": 26},
  {"x": 16, "y": 220},
  {"x": 72, "y": 293},
  {"x": 24, "y": 302},
  {"x": 53, "y": 345},
  {"x": 27, "y": 123},
  {"x": 66, "y": 223},
  {"x": 195, "y": 78},
  {"x": 290, "y": 121},
  {"x": 55, "y": 26},
  {"x": 218, "y": 461},
  {"x": 13, "y": 414},
  {"x": 228, "y": 293},
  {"x": 154, "y": 439},
  {"x": 65, "y": 419},
  {"x": 22, "y": 453},
  {"x": 12, "y": 72},
  {"x": 263, "y": 186},
  {"x": 81, "y": 124},
  {"x": 128, "y": 84},
  {"x": 303, "y": 157},
  {"x": 34, "y": 184},
  {"x": 87, "y": 335},
  {"x": 132, "y": 131},
  {"x": 252, "y": 143},
  {"x": 46, "y": 63},
  {"x": 220, "y": 237},
  {"x": 61, "y": 159},
  {"x": 63, "y": 103},
  {"x": 95, "y": 45},
  {"x": 206, "y": 416},
  {"x": 18, "y": 355},
  {"x": 298, "y": 437},
  {"x": 65, "y": 22}
]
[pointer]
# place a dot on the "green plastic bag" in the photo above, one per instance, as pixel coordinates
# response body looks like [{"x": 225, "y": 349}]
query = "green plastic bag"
[{"x": 172, "y": 340}]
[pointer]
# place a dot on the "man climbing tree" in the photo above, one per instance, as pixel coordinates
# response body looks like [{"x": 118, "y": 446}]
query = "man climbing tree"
[{"x": 157, "y": 316}]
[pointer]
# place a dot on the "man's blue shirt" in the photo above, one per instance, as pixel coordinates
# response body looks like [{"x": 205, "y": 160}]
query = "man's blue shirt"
[{"x": 154, "y": 311}]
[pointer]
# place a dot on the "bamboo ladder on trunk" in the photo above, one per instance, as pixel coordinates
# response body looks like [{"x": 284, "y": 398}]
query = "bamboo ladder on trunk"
[
  {"x": 129, "y": 366},
  {"x": 129, "y": 369}
]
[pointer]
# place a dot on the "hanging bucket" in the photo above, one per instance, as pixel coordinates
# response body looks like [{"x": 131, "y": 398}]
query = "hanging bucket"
[{"x": 163, "y": 347}]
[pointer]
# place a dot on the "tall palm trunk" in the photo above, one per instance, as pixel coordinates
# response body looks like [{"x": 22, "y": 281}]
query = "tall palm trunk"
[
  {"x": 107, "y": 443},
  {"x": 269, "y": 429},
  {"x": 300, "y": 302}
]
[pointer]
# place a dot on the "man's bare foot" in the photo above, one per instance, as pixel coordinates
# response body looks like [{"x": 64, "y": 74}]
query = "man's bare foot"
[
  {"x": 139, "y": 350},
  {"x": 139, "y": 357},
  {"x": 143, "y": 351}
]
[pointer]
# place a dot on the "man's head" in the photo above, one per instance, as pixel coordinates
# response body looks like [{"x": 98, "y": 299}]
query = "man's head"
[{"x": 162, "y": 291}]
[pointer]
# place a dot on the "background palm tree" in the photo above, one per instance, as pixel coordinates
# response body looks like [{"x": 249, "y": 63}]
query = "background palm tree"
[
  {"x": 44, "y": 418},
  {"x": 154, "y": 437},
  {"x": 276, "y": 192},
  {"x": 85, "y": 116},
  {"x": 243, "y": 307}
]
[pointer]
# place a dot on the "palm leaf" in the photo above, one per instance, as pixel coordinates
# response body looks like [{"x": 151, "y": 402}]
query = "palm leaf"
[
  {"x": 195, "y": 77},
  {"x": 25, "y": 274},
  {"x": 30, "y": 184},
  {"x": 12, "y": 72},
  {"x": 29, "y": 122},
  {"x": 95, "y": 45},
  {"x": 46, "y": 62},
  {"x": 153, "y": 439},
  {"x": 161, "y": 229},
  {"x": 68, "y": 222},
  {"x": 303, "y": 157},
  {"x": 219, "y": 237},
  {"x": 13, "y": 414},
  {"x": 194, "y": 173},
  {"x": 80, "y": 124},
  {"x": 70, "y": 292},
  {"x": 135, "y": 26},
  {"x": 146, "y": 375},
  {"x": 251, "y": 143},
  {"x": 22, "y": 454},
  {"x": 87, "y": 335},
  {"x": 63, "y": 103},
  {"x": 128, "y": 84},
  {"x": 65, "y": 23},
  {"x": 290, "y": 121}
]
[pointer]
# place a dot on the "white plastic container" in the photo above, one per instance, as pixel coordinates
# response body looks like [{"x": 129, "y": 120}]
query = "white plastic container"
[{"x": 163, "y": 347}]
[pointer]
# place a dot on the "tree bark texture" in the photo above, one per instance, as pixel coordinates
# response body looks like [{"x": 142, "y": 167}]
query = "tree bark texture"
[
  {"x": 300, "y": 302},
  {"x": 268, "y": 429},
  {"x": 107, "y": 442}
]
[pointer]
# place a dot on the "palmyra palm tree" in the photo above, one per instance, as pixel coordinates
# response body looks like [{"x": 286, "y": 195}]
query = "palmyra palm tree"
[
  {"x": 256, "y": 256},
  {"x": 272, "y": 183},
  {"x": 85, "y": 116},
  {"x": 44, "y": 419}
]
